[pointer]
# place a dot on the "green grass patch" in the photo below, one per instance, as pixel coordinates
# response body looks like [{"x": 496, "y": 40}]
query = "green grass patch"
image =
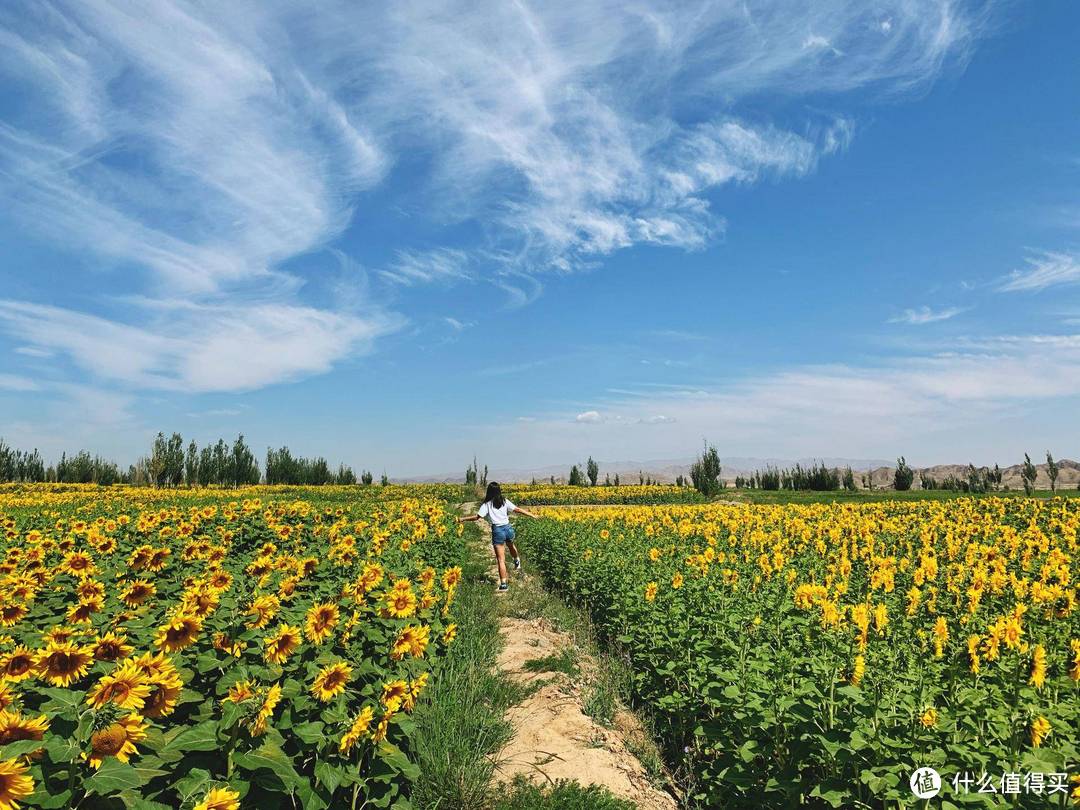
[
  {"x": 460, "y": 724},
  {"x": 564, "y": 661},
  {"x": 523, "y": 795}
]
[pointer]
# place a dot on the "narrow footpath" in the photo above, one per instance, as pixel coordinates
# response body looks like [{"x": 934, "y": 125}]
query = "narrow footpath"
[{"x": 553, "y": 737}]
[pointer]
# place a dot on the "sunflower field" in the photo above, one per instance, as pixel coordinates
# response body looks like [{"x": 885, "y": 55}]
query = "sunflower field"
[
  {"x": 626, "y": 494},
  {"x": 210, "y": 649},
  {"x": 818, "y": 654}
]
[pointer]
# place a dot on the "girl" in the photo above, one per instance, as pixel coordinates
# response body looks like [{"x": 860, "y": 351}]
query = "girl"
[{"x": 498, "y": 510}]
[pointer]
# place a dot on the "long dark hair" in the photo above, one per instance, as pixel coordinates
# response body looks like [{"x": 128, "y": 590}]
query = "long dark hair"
[{"x": 494, "y": 495}]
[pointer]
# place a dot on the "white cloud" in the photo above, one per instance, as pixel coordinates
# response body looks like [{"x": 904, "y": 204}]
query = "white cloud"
[
  {"x": 1043, "y": 270},
  {"x": 13, "y": 382},
  {"x": 924, "y": 402},
  {"x": 925, "y": 315},
  {"x": 414, "y": 267},
  {"x": 659, "y": 419},
  {"x": 458, "y": 326},
  {"x": 199, "y": 348},
  {"x": 191, "y": 151}
]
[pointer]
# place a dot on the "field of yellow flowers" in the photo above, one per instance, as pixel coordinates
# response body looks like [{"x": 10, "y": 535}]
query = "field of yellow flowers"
[
  {"x": 628, "y": 494},
  {"x": 818, "y": 654},
  {"x": 207, "y": 648}
]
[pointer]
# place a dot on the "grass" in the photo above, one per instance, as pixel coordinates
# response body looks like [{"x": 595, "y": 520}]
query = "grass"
[
  {"x": 460, "y": 724},
  {"x": 522, "y": 795},
  {"x": 564, "y": 661}
]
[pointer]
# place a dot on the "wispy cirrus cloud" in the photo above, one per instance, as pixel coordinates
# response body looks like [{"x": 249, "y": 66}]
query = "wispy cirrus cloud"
[
  {"x": 193, "y": 151},
  {"x": 924, "y": 315},
  {"x": 1043, "y": 270},
  {"x": 925, "y": 400},
  {"x": 198, "y": 348}
]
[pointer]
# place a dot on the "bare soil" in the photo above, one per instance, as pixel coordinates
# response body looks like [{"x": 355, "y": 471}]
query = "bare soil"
[{"x": 553, "y": 736}]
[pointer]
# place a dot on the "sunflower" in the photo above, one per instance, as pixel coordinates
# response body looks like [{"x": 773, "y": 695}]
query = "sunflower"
[
  {"x": 18, "y": 664},
  {"x": 650, "y": 591},
  {"x": 1038, "y": 666},
  {"x": 64, "y": 663},
  {"x": 220, "y": 798},
  {"x": 153, "y": 664},
  {"x": 165, "y": 689},
  {"x": 320, "y": 622},
  {"x": 140, "y": 557},
  {"x": 78, "y": 564},
  {"x": 1040, "y": 730},
  {"x": 181, "y": 631},
  {"x": 263, "y": 608},
  {"x": 126, "y": 686},
  {"x": 137, "y": 592},
  {"x": 158, "y": 559},
  {"x": 220, "y": 580},
  {"x": 111, "y": 647},
  {"x": 81, "y": 613},
  {"x": 15, "y": 783},
  {"x": 14, "y": 727},
  {"x": 201, "y": 601},
  {"x": 416, "y": 687},
  {"x": 400, "y": 604},
  {"x": 393, "y": 694},
  {"x": 281, "y": 645},
  {"x": 239, "y": 692},
  {"x": 357, "y": 730},
  {"x": 266, "y": 710},
  {"x": 331, "y": 681},
  {"x": 929, "y": 717},
  {"x": 449, "y": 634},
  {"x": 11, "y": 613},
  {"x": 224, "y": 644},
  {"x": 7, "y": 697},
  {"x": 117, "y": 740},
  {"x": 90, "y": 589},
  {"x": 370, "y": 577},
  {"x": 379, "y": 734}
]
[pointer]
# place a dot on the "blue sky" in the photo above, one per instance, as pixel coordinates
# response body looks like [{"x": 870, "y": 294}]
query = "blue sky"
[{"x": 535, "y": 232}]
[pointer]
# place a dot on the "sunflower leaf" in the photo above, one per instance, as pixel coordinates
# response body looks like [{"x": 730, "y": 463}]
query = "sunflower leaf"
[{"x": 114, "y": 776}]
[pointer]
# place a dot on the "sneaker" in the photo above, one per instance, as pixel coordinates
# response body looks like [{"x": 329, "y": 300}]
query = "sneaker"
[
  {"x": 504, "y": 586},
  {"x": 517, "y": 563}
]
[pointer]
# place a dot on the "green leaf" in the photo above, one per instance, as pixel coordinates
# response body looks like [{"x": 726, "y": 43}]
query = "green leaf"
[
  {"x": 202, "y": 737},
  {"x": 269, "y": 757},
  {"x": 194, "y": 782},
  {"x": 328, "y": 774},
  {"x": 113, "y": 776},
  {"x": 20, "y": 747},
  {"x": 309, "y": 732},
  {"x": 396, "y": 759}
]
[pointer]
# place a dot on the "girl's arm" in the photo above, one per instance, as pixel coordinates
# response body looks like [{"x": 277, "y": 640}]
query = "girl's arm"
[
  {"x": 526, "y": 512},
  {"x": 468, "y": 519}
]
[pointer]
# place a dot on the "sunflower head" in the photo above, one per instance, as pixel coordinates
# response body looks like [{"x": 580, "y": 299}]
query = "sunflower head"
[
  {"x": 331, "y": 681},
  {"x": 64, "y": 663},
  {"x": 220, "y": 798},
  {"x": 15, "y": 782}
]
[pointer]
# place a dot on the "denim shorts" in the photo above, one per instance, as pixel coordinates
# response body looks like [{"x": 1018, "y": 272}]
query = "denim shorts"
[{"x": 501, "y": 534}]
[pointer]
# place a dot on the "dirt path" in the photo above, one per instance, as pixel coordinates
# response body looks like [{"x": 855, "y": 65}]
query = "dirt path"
[{"x": 553, "y": 736}]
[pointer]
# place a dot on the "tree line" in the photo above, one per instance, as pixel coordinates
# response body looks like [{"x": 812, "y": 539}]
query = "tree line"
[{"x": 171, "y": 463}]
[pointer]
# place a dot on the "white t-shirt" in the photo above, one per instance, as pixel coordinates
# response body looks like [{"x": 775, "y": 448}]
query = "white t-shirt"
[{"x": 498, "y": 517}]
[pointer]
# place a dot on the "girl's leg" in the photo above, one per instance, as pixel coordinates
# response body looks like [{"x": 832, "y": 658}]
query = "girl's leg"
[
  {"x": 500, "y": 558},
  {"x": 512, "y": 549}
]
